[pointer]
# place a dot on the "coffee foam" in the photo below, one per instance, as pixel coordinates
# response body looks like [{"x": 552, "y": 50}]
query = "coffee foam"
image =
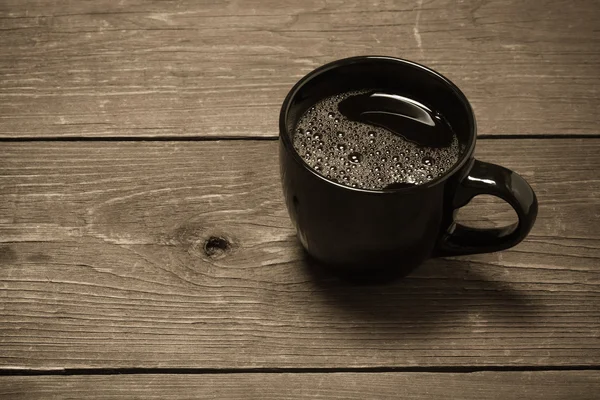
[{"x": 364, "y": 156}]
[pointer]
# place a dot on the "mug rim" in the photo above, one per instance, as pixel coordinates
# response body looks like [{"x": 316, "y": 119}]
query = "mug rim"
[{"x": 285, "y": 135}]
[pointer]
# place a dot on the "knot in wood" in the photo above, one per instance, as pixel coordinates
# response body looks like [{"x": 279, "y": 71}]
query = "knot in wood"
[{"x": 216, "y": 247}]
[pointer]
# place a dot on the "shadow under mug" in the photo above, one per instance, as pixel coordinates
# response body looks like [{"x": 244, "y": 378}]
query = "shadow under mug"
[{"x": 368, "y": 232}]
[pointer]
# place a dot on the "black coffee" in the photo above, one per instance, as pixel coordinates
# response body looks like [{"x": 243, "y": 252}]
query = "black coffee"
[{"x": 376, "y": 140}]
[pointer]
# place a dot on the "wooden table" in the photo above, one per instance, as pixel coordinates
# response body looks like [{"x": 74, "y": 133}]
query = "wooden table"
[{"x": 145, "y": 251}]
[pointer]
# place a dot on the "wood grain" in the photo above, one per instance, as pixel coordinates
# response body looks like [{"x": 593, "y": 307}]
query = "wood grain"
[
  {"x": 576, "y": 385},
  {"x": 181, "y": 254},
  {"x": 222, "y": 68}
]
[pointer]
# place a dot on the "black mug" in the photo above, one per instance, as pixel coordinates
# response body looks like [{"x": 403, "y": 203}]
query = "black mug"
[{"x": 369, "y": 232}]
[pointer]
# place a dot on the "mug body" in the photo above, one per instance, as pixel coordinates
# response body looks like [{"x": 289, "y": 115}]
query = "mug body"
[{"x": 358, "y": 229}]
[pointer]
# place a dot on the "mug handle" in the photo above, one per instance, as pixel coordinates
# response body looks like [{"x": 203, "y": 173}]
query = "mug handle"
[{"x": 487, "y": 178}]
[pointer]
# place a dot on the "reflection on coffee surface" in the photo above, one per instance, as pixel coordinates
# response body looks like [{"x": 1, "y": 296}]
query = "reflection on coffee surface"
[{"x": 375, "y": 139}]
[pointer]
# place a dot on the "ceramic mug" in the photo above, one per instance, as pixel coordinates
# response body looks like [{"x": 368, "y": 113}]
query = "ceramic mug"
[{"x": 394, "y": 230}]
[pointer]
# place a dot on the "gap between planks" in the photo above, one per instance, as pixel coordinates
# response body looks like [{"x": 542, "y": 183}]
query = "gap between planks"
[
  {"x": 248, "y": 138},
  {"x": 223, "y": 371}
]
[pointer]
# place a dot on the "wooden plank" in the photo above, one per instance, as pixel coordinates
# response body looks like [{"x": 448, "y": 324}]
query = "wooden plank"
[
  {"x": 559, "y": 385},
  {"x": 107, "y": 261},
  {"x": 222, "y": 68}
]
